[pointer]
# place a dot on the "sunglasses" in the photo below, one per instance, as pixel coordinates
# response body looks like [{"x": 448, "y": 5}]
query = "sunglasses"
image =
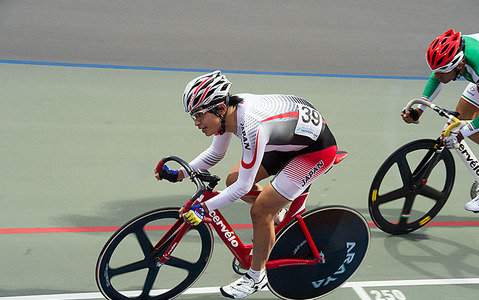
[{"x": 197, "y": 114}]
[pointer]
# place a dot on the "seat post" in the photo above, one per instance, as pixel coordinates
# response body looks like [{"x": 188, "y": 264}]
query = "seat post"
[{"x": 297, "y": 207}]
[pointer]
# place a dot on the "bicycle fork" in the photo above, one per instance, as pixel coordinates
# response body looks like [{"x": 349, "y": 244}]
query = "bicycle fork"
[
  {"x": 422, "y": 172},
  {"x": 172, "y": 245},
  {"x": 419, "y": 179}
]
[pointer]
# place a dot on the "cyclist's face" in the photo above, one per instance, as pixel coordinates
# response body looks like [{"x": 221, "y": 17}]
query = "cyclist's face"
[
  {"x": 208, "y": 123},
  {"x": 445, "y": 77}
]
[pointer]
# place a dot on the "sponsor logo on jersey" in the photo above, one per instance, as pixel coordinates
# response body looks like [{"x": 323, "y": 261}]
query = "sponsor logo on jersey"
[
  {"x": 244, "y": 138},
  {"x": 311, "y": 173}
]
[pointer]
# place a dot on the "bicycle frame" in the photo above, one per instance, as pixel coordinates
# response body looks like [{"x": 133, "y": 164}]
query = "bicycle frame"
[
  {"x": 243, "y": 252},
  {"x": 469, "y": 159},
  {"x": 464, "y": 152},
  {"x": 341, "y": 233}
]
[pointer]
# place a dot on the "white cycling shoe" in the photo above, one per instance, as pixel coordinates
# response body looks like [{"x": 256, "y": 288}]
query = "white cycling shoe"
[
  {"x": 473, "y": 205},
  {"x": 243, "y": 287}
]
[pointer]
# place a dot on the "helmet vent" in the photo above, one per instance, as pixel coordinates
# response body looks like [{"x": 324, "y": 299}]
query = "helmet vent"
[
  {"x": 201, "y": 91},
  {"x": 442, "y": 52}
]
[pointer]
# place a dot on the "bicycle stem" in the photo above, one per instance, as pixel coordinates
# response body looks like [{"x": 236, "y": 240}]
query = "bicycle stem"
[
  {"x": 463, "y": 151},
  {"x": 200, "y": 187},
  {"x": 449, "y": 128},
  {"x": 441, "y": 111}
]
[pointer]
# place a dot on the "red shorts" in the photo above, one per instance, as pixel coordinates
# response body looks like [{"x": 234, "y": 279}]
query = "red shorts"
[{"x": 298, "y": 174}]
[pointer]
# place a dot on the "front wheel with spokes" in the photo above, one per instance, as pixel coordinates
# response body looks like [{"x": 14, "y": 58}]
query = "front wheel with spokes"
[
  {"x": 128, "y": 266},
  {"x": 411, "y": 186}
]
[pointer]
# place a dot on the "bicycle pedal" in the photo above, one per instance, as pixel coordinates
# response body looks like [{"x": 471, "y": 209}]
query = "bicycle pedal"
[
  {"x": 323, "y": 259},
  {"x": 238, "y": 268}
]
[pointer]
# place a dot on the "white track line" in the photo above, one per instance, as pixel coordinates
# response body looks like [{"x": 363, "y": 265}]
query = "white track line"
[
  {"x": 410, "y": 282},
  {"x": 357, "y": 286},
  {"x": 361, "y": 292}
]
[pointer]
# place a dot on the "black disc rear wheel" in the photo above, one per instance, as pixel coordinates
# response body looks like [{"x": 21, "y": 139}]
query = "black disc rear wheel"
[{"x": 340, "y": 234}]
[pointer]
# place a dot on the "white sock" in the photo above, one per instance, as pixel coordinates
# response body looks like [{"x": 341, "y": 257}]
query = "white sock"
[{"x": 256, "y": 275}]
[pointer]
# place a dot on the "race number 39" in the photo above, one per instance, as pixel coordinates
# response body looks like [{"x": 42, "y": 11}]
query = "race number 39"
[{"x": 309, "y": 122}]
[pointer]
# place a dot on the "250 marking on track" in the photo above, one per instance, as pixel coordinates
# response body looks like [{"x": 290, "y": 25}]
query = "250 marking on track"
[{"x": 388, "y": 295}]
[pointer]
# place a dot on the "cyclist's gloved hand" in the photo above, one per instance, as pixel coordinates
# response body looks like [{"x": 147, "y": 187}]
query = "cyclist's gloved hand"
[
  {"x": 453, "y": 140},
  {"x": 168, "y": 174},
  {"x": 413, "y": 115},
  {"x": 196, "y": 214}
]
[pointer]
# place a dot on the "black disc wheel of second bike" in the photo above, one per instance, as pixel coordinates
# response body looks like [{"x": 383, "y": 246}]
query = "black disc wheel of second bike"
[
  {"x": 128, "y": 266},
  {"x": 411, "y": 186},
  {"x": 341, "y": 236}
]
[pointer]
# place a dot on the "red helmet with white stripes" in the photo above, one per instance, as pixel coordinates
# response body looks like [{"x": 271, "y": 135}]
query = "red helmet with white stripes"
[
  {"x": 445, "y": 52},
  {"x": 205, "y": 90}
]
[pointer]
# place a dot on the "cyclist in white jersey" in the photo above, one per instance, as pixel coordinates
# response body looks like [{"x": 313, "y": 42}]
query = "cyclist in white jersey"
[
  {"x": 281, "y": 135},
  {"x": 450, "y": 56}
]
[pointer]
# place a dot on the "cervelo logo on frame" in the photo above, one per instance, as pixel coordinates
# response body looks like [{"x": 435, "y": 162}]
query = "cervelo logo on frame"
[
  {"x": 469, "y": 158},
  {"x": 229, "y": 235}
]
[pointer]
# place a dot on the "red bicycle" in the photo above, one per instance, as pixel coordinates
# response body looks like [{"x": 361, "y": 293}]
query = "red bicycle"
[{"x": 158, "y": 256}]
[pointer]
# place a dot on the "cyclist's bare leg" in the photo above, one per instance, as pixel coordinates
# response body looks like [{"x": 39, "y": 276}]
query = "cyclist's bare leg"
[
  {"x": 263, "y": 211},
  {"x": 233, "y": 176},
  {"x": 468, "y": 111}
]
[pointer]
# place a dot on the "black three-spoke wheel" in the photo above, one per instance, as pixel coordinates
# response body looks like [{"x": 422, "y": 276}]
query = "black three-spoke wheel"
[
  {"x": 411, "y": 186},
  {"x": 128, "y": 266}
]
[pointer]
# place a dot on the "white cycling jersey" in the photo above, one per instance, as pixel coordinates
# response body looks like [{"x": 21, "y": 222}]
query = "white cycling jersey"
[{"x": 270, "y": 124}]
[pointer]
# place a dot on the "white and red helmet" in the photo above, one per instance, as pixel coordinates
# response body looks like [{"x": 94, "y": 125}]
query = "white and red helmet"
[{"x": 205, "y": 90}]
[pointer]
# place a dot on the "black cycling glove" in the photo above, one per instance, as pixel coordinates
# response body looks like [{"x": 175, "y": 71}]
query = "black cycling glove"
[{"x": 168, "y": 174}]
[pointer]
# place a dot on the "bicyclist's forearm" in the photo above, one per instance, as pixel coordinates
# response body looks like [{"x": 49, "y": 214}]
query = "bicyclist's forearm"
[
  {"x": 213, "y": 154},
  {"x": 431, "y": 90},
  {"x": 470, "y": 128},
  {"x": 248, "y": 169}
]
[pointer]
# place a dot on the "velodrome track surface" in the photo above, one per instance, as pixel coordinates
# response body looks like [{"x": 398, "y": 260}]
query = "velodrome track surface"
[{"x": 90, "y": 102}]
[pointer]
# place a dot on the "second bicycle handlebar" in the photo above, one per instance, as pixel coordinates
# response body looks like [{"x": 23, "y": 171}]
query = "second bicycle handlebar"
[
  {"x": 198, "y": 179},
  {"x": 200, "y": 186},
  {"x": 441, "y": 111}
]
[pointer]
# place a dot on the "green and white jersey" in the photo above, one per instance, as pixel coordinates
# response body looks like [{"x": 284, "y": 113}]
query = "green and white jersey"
[{"x": 471, "y": 93}]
